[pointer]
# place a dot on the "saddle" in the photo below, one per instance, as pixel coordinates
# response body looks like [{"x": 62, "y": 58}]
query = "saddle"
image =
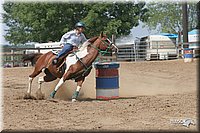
[{"x": 61, "y": 65}]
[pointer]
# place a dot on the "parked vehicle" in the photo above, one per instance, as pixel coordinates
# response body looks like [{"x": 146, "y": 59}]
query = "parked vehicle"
[{"x": 159, "y": 47}]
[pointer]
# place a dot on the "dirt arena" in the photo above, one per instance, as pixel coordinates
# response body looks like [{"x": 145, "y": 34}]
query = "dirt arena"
[{"x": 157, "y": 96}]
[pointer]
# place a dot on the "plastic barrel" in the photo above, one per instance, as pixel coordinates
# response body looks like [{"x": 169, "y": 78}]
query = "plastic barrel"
[
  {"x": 107, "y": 81},
  {"x": 188, "y": 54}
]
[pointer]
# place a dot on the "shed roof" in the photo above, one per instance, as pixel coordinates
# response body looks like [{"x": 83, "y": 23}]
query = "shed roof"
[{"x": 195, "y": 31}]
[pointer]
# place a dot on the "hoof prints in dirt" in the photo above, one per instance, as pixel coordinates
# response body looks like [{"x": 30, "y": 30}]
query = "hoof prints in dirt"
[
  {"x": 39, "y": 96},
  {"x": 28, "y": 96},
  {"x": 15, "y": 86}
]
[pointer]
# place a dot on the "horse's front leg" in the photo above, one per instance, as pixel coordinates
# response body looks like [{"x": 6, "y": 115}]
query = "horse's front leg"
[
  {"x": 53, "y": 93},
  {"x": 78, "y": 88}
]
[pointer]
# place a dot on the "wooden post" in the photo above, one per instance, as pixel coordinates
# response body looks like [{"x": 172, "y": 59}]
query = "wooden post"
[
  {"x": 12, "y": 58},
  {"x": 38, "y": 50},
  {"x": 185, "y": 24},
  {"x": 113, "y": 38}
]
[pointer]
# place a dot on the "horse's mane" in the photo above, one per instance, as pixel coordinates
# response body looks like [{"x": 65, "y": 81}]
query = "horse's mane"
[
  {"x": 86, "y": 43},
  {"x": 93, "y": 39}
]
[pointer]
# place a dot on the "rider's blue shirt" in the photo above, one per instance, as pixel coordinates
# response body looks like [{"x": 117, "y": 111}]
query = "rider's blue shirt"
[{"x": 73, "y": 38}]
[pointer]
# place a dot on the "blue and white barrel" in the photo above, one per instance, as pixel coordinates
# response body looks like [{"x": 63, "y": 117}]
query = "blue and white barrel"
[
  {"x": 188, "y": 54},
  {"x": 107, "y": 81}
]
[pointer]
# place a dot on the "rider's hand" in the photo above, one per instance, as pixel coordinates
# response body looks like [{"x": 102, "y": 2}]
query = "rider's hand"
[
  {"x": 75, "y": 48},
  {"x": 62, "y": 45}
]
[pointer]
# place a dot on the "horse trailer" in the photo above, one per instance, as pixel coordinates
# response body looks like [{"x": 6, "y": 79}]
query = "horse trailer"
[{"x": 158, "y": 47}]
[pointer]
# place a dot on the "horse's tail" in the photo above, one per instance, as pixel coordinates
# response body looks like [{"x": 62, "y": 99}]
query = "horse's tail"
[{"x": 33, "y": 57}]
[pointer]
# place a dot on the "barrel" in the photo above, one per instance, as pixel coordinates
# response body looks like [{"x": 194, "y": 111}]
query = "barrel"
[
  {"x": 188, "y": 54},
  {"x": 107, "y": 80}
]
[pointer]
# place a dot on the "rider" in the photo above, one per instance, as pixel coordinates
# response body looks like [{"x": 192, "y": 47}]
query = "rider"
[{"x": 71, "y": 39}]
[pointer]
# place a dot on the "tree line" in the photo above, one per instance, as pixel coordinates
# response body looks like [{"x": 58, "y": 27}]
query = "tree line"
[{"x": 43, "y": 22}]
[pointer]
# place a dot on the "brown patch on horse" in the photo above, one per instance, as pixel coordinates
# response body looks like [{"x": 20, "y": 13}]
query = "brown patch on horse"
[{"x": 93, "y": 39}]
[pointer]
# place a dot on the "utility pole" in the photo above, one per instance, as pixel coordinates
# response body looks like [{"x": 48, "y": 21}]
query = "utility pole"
[
  {"x": 185, "y": 24},
  {"x": 198, "y": 14}
]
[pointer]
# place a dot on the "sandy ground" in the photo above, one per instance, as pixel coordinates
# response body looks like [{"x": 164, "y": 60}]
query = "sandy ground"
[{"x": 157, "y": 96}]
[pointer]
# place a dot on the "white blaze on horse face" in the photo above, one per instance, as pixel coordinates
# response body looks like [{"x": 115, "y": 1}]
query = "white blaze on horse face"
[
  {"x": 72, "y": 59},
  {"x": 109, "y": 40}
]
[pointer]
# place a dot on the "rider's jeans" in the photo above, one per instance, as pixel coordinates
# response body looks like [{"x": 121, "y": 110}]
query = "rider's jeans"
[{"x": 67, "y": 47}]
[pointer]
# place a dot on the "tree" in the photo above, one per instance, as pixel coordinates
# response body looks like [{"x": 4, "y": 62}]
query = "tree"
[
  {"x": 42, "y": 22},
  {"x": 39, "y": 22},
  {"x": 169, "y": 16},
  {"x": 198, "y": 14},
  {"x": 115, "y": 18}
]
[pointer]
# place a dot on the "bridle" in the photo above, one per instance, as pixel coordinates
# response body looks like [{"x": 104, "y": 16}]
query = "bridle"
[
  {"x": 107, "y": 44},
  {"x": 102, "y": 52}
]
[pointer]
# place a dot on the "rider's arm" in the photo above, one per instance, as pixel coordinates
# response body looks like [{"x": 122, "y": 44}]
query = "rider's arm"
[
  {"x": 65, "y": 37},
  {"x": 83, "y": 38}
]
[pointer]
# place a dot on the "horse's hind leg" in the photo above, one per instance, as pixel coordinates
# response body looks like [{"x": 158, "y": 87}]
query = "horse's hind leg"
[
  {"x": 37, "y": 71},
  {"x": 47, "y": 78}
]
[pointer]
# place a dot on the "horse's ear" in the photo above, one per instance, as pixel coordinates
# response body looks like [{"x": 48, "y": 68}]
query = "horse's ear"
[{"x": 101, "y": 34}]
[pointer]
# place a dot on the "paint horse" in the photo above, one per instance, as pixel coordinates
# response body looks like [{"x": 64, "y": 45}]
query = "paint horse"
[{"x": 77, "y": 65}]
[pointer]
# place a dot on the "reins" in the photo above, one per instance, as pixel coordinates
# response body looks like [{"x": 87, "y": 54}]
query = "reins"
[{"x": 102, "y": 52}]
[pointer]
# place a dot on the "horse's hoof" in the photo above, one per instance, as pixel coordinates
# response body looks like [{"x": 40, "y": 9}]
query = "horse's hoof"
[
  {"x": 74, "y": 100},
  {"x": 40, "y": 95},
  {"x": 52, "y": 94},
  {"x": 28, "y": 96},
  {"x": 50, "y": 98}
]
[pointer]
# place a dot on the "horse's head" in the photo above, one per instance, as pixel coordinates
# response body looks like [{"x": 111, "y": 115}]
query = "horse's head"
[
  {"x": 102, "y": 43},
  {"x": 105, "y": 43}
]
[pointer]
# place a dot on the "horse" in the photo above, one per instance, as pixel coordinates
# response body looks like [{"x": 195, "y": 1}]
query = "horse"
[{"x": 76, "y": 66}]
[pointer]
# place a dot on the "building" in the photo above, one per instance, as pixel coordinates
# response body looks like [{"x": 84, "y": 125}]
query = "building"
[
  {"x": 194, "y": 41},
  {"x": 161, "y": 46}
]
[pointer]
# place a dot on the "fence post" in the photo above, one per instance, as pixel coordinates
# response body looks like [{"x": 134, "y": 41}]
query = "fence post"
[
  {"x": 157, "y": 50},
  {"x": 38, "y": 50},
  {"x": 134, "y": 51},
  {"x": 12, "y": 58}
]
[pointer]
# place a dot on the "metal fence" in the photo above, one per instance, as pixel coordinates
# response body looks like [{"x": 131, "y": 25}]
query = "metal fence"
[
  {"x": 138, "y": 51},
  {"x": 12, "y": 57},
  {"x": 144, "y": 50}
]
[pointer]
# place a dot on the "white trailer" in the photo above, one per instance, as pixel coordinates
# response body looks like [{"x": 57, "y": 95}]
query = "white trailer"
[
  {"x": 194, "y": 41},
  {"x": 160, "y": 47}
]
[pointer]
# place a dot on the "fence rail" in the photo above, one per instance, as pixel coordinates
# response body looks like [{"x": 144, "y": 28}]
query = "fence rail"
[
  {"x": 11, "y": 57},
  {"x": 135, "y": 52},
  {"x": 157, "y": 50}
]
